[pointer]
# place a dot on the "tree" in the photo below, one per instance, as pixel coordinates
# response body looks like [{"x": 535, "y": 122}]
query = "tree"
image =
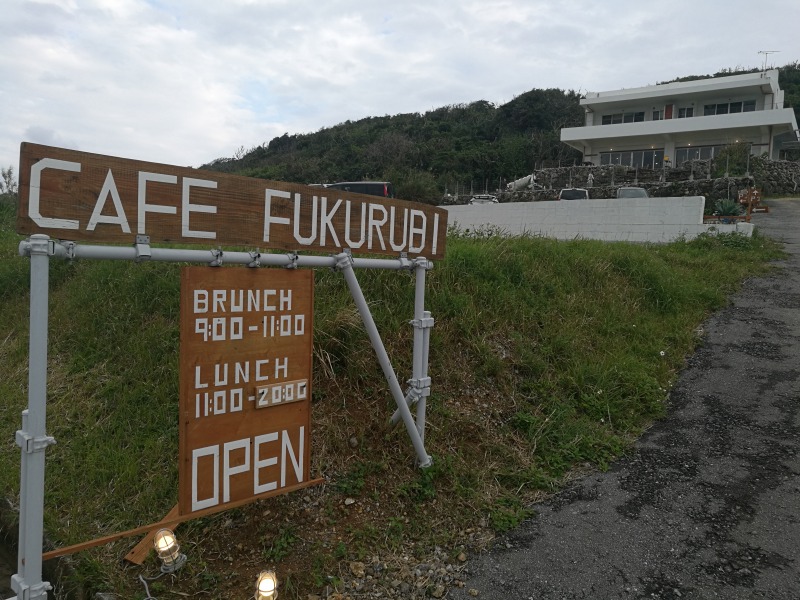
[
  {"x": 416, "y": 185},
  {"x": 732, "y": 161},
  {"x": 7, "y": 183},
  {"x": 8, "y": 186}
]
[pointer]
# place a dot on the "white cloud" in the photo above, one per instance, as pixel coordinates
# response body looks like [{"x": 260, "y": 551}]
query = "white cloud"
[{"x": 186, "y": 82}]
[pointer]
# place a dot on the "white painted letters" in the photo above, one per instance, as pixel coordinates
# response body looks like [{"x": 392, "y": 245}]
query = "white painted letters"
[
  {"x": 310, "y": 239},
  {"x": 36, "y": 186},
  {"x": 268, "y": 218},
  {"x": 187, "y": 207},
  {"x": 266, "y": 449},
  {"x": 109, "y": 189},
  {"x": 144, "y": 207},
  {"x": 375, "y": 224}
]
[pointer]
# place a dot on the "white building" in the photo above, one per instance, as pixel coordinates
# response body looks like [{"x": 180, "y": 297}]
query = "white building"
[{"x": 674, "y": 122}]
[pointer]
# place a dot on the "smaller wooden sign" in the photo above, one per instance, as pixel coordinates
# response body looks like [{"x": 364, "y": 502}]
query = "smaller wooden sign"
[{"x": 245, "y": 384}]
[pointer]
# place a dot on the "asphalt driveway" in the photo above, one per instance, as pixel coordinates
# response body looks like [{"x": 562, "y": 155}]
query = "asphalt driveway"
[{"x": 707, "y": 505}]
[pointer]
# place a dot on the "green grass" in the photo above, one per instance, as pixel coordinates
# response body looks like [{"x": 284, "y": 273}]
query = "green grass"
[{"x": 546, "y": 357}]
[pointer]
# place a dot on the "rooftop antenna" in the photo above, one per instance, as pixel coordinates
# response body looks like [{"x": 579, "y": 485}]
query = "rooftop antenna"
[{"x": 766, "y": 54}]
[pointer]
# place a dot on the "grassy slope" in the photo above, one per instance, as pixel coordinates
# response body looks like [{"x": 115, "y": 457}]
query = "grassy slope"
[{"x": 546, "y": 356}]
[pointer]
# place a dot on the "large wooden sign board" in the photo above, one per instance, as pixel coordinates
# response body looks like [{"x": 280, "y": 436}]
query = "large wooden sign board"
[
  {"x": 245, "y": 384},
  {"x": 79, "y": 196},
  {"x": 246, "y": 334}
]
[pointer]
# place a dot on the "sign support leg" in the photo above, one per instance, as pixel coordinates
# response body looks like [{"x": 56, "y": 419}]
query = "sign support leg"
[
  {"x": 33, "y": 441},
  {"x": 420, "y": 383},
  {"x": 426, "y": 341},
  {"x": 419, "y": 339},
  {"x": 344, "y": 263}
]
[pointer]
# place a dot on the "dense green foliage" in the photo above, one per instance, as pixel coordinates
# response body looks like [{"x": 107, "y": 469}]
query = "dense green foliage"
[
  {"x": 789, "y": 80},
  {"x": 424, "y": 154},
  {"x": 8, "y": 186},
  {"x": 546, "y": 356},
  {"x": 471, "y": 147},
  {"x": 733, "y": 161}
]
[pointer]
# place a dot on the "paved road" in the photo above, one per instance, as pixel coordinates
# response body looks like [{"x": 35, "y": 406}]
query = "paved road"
[{"x": 708, "y": 503}]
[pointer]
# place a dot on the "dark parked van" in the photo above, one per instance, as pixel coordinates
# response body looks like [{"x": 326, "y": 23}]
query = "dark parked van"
[{"x": 384, "y": 189}]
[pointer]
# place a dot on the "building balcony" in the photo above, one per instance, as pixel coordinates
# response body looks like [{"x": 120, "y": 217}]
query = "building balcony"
[
  {"x": 758, "y": 84},
  {"x": 731, "y": 125}
]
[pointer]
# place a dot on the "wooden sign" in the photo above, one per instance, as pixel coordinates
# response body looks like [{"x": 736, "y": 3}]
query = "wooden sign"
[
  {"x": 78, "y": 196},
  {"x": 245, "y": 384}
]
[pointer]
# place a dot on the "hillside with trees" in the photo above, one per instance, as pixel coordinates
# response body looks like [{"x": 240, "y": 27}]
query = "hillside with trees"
[
  {"x": 426, "y": 154},
  {"x": 458, "y": 148}
]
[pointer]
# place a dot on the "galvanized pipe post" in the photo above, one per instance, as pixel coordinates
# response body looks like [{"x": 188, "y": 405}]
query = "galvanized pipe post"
[
  {"x": 419, "y": 384},
  {"x": 344, "y": 263},
  {"x": 426, "y": 344},
  {"x": 32, "y": 438}
]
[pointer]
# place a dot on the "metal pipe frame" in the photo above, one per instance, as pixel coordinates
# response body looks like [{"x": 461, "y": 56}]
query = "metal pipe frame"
[
  {"x": 419, "y": 384},
  {"x": 345, "y": 265},
  {"x": 143, "y": 252},
  {"x": 32, "y": 438}
]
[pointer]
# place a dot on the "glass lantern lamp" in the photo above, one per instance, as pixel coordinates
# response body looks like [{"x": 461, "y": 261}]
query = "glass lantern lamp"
[
  {"x": 168, "y": 551},
  {"x": 267, "y": 586}
]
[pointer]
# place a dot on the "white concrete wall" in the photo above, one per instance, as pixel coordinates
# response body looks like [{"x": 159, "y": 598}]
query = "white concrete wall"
[{"x": 658, "y": 220}]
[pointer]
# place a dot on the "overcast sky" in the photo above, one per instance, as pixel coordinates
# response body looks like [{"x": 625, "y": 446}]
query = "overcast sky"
[{"x": 184, "y": 83}]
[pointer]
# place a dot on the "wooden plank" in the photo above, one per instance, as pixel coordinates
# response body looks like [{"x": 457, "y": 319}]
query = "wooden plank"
[
  {"x": 142, "y": 549},
  {"x": 163, "y": 523},
  {"x": 80, "y": 196}
]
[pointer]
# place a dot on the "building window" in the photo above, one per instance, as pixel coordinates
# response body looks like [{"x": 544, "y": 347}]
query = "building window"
[
  {"x": 686, "y": 112},
  {"x": 612, "y": 119},
  {"x": 633, "y": 117},
  {"x": 723, "y": 108},
  {"x": 684, "y": 154},
  {"x": 695, "y": 153},
  {"x": 643, "y": 159},
  {"x": 622, "y": 118},
  {"x": 658, "y": 115}
]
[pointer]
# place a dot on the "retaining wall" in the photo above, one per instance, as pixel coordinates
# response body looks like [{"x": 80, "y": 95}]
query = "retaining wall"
[
  {"x": 657, "y": 220},
  {"x": 692, "y": 178}
]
